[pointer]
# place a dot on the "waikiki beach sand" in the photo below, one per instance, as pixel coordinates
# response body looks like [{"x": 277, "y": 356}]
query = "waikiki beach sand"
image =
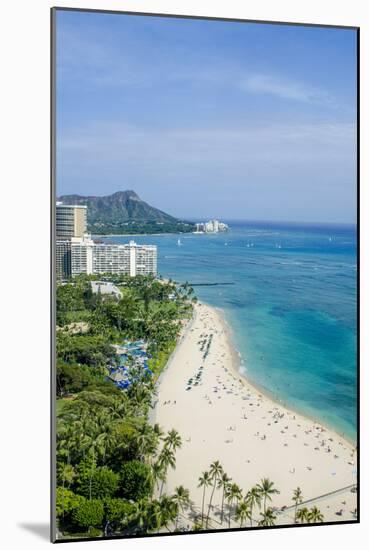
[{"x": 220, "y": 416}]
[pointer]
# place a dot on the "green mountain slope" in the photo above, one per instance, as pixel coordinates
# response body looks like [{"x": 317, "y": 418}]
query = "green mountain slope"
[{"x": 125, "y": 212}]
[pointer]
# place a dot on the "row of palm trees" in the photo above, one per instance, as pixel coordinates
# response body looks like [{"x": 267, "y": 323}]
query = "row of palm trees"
[
  {"x": 257, "y": 496},
  {"x": 243, "y": 506},
  {"x": 166, "y": 457},
  {"x": 305, "y": 515}
]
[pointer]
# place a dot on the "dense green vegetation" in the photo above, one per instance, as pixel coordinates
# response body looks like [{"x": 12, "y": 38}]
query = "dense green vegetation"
[
  {"x": 112, "y": 464},
  {"x": 108, "y": 456},
  {"x": 140, "y": 228}
]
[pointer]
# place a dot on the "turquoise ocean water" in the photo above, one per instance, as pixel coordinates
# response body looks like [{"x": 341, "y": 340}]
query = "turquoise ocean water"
[{"x": 292, "y": 307}]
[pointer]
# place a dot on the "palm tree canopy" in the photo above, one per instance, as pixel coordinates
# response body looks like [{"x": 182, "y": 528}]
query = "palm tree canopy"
[
  {"x": 173, "y": 440},
  {"x": 302, "y": 514},
  {"x": 297, "y": 495},
  {"x": 268, "y": 518},
  {"x": 216, "y": 469},
  {"x": 204, "y": 479},
  {"x": 243, "y": 511},
  {"x": 315, "y": 515},
  {"x": 254, "y": 497},
  {"x": 233, "y": 492},
  {"x": 181, "y": 496},
  {"x": 266, "y": 488}
]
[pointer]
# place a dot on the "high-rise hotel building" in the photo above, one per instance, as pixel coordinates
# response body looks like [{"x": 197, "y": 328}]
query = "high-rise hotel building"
[
  {"x": 71, "y": 221},
  {"x": 77, "y": 253}
]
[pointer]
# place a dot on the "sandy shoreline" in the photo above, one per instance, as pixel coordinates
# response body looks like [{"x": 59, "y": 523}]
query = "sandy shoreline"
[
  {"x": 235, "y": 365},
  {"x": 224, "y": 417}
]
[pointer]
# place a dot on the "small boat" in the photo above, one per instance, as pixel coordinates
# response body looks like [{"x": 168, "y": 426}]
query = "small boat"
[{"x": 179, "y": 242}]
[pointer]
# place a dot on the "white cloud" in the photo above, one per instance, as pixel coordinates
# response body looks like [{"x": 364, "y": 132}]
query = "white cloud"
[
  {"x": 304, "y": 142},
  {"x": 286, "y": 89}
]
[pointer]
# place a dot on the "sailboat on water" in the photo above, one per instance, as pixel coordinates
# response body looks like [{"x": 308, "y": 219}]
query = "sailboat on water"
[{"x": 179, "y": 242}]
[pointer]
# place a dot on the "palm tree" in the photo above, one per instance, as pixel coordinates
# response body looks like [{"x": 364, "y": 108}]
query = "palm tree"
[
  {"x": 182, "y": 498},
  {"x": 216, "y": 470},
  {"x": 243, "y": 511},
  {"x": 233, "y": 493},
  {"x": 67, "y": 474},
  {"x": 169, "y": 510},
  {"x": 157, "y": 473},
  {"x": 315, "y": 515},
  {"x": 166, "y": 459},
  {"x": 173, "y": 440},
  {"x": 154, "y": 515},
  {"x": 266, "y": 489},
  {"x": 204, "y": 481},
  {"x": 146, "y": 441},
  {"x": 223, "y": 483},
  {"x": 268, "y": 518},
  {"x": 254, "y": 499},
  {"x": 302, "y": 515},
  {"x": 297, "y": 498},
  {"x": 140, "y": 513}
]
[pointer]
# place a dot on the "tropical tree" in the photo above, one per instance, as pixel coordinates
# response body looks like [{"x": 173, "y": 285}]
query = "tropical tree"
[
  {"x": 297, "y": 498},
  {"x": 66, "y": 473},
  {"x": 158, "y": 473},
  {"x": 169, "y": 511},
  {"x": 118, "y": 514},
  {"x": 254, "y": 499},
  {"x": 223, "y": 483},
  {"x": 243, "y": 511},
  {"x": 154, "y": 515},
  {"x": 215, "y": 471},
  {"x": 204, "y": 482},
  {"x": 268, "y": 518},
  {"x": 135, "y": 480},
  {"x": 233, "y": 493},
  {"x": 315, "y": 515},
  {"x": 89, "y": 513},
  {"x": 166, "y": 459},
  {"x": 302, "y": 515},
  {"x": 147, "y": 441},
  {"x": 182, "y": 498},
  {"x": 140, "y": 513},
  {"x": 173, "y": 440},
  {"x": 266, "y": 489}
]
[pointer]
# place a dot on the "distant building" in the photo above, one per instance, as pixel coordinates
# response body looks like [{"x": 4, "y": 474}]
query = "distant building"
[
  {"x": 63, "y": 260},
  {"x": 82, "y": 255},
  {"x": 212, "y": 226},
  {"x": 77, "y": 253},
  {"x": 71, "y": 221},
  {"x": 105, "y": 287},
  {"x": 125, "y": 259}
]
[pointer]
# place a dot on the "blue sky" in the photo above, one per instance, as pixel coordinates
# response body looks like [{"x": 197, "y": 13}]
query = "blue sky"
[{"x": 208, "y": 118}]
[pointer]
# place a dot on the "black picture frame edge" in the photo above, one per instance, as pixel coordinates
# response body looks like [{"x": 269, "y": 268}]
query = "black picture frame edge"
[
  {"x": 53, "y": 533},
  {"x": 53, "y": 11}
]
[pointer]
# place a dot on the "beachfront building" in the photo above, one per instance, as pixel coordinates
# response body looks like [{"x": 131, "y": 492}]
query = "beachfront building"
[
  {"x": 83, "y": 255},
  {"x": 77, "y": 253},
  {"x": 212, "y": 226},
  {"x": 63, "y": 260},
  {"x": 125, "y": 259},
  {"x": 71, "y": 221}
]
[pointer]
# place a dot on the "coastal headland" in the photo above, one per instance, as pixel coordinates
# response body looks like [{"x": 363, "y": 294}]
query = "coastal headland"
[{"x": 221, "y": 416}]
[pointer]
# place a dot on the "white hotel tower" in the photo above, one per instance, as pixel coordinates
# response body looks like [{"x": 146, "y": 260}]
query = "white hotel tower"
[{"x": 77, "y": 253}]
